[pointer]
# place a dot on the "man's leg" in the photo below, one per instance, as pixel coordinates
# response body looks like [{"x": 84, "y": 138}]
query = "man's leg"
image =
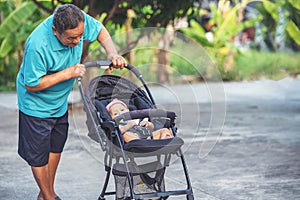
[
  {"x": 53, "y": 164},
  {"x": 45, "y": 177},
  {"x": 34, "y": 141},
  {"x": 41, "y": 175}
]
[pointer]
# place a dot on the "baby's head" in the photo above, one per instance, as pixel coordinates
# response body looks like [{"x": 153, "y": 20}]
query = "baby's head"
[{"x": 116, "y": 108}]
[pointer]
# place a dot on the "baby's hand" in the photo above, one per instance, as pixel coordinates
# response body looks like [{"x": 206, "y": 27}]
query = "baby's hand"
[
  {"x": 132, "y": 123},
  {"x": 147, "y": 124}
]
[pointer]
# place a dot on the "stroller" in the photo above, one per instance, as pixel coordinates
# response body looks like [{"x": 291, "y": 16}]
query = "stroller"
[{"x": 138, "y": 166}]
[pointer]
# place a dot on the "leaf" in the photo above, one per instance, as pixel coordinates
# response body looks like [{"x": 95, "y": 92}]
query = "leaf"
[
  {"x": 251, "y": 22},
  {"x": 197, "y": 27},
  {"x": 6, "y": 46},
  {"x": 293, "y": 31},
  {"x": 272, "y": 9},
  {"x": 197, "y": 33},
  {"x": 15, "y": 19},
  {"x": 228, "y": 28},
  {"x": 295, "y": 4}
]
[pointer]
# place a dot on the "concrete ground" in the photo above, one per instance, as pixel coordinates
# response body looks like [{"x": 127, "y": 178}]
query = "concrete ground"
[{"x": 242, "y": 141}]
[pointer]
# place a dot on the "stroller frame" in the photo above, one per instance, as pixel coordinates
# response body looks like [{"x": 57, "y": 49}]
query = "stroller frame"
[{"x": 115, "y": 135}]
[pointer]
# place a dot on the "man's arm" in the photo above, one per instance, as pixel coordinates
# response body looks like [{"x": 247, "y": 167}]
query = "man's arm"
[
  {"x": 111, "y": 51},
  {"x": 53, "y": 79}
]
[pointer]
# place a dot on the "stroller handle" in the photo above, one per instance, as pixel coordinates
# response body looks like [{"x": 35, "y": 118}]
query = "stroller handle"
[{"x": 105, "y": 64}]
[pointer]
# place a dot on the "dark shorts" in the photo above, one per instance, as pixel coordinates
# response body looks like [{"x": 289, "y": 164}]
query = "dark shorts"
[{"x": 40, "y": 136}]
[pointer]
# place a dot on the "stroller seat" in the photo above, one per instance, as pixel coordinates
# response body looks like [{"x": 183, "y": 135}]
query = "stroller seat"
[{"x": 140, "y": 162}]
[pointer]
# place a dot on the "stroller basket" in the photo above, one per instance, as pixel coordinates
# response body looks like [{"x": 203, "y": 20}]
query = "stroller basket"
[{"x": 138, "y": 166}]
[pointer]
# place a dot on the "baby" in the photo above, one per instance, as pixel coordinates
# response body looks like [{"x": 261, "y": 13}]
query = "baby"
[{"x": 131, "y": 129}]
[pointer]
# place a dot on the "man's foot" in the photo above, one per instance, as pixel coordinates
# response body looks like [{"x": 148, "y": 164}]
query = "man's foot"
[{"x": 40, "y": 196}]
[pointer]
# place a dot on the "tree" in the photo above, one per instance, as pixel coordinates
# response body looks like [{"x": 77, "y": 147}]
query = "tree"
[
  {"x": 18, "y": 20},
  {"x": 224, "y": 25}
]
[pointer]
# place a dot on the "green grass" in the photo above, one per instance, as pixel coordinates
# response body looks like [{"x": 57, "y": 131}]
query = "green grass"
[
  {"x": 254, "y": 65},
  {"x": 251, "y": 65}
]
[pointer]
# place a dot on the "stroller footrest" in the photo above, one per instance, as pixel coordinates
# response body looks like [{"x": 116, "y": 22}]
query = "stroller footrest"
[{"x": 154, "y": 147}]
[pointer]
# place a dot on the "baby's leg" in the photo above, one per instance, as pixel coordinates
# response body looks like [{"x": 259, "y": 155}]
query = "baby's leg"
[
  {"x": 162, "y": 134},
  {"x": 128, "y": 136}
]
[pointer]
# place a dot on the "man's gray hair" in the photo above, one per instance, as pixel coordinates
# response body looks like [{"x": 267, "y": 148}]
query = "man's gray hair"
[{"x": 67, "y": 16}]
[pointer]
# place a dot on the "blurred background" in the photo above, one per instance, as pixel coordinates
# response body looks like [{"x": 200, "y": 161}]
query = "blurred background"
[{"x": 243, "y": 39}]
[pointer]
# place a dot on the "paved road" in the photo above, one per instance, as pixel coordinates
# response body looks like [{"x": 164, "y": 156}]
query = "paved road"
[{"x": 242, "y": 141}]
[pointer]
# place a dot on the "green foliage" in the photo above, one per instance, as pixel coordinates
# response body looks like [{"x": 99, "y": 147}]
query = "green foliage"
[
  {"x": 272, "y": 9},
  {"x": 19, "y": 21},
  {"x": 254, "y": 65},
  {"x": 197, "y": 33},
  {"x": 295, "y": 4},
  {"x": 293, "y": 31},
  {"x": 158, "y": 13},
  {"x": 183, "y": 67},
  {"x": 269, "y": 10},
  {"x": 226, "y": 27},
  {"x": 7, "y": 45},
  {"x": 20, "y": 17},
  {"x": 16, "y": 18}
]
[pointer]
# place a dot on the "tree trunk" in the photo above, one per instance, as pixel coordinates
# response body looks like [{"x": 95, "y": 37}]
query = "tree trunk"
[
  {"x": 164, "y": 56},
  {"x": 128, "y": 28},
  {"x": 130, "y": 16}
]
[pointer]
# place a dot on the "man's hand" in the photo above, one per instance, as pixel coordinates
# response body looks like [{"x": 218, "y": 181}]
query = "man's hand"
[
  {"x": 76, "y": 70},
  {"x": 52, "y": 79},
  {"x": 117, "y": 61}
]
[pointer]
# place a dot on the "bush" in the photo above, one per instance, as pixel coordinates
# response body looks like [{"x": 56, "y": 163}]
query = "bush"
[{"x": 254, "y": 65}]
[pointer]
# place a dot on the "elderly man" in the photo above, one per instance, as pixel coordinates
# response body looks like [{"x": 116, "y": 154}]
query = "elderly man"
[{"x": 50, "y": 65}]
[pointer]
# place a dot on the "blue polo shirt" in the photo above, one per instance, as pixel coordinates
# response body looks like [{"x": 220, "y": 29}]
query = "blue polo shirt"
[{"x": 43, "y": 55}]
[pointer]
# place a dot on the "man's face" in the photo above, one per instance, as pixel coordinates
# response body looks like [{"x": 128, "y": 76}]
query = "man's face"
[{"x": 70, "y": 37}]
